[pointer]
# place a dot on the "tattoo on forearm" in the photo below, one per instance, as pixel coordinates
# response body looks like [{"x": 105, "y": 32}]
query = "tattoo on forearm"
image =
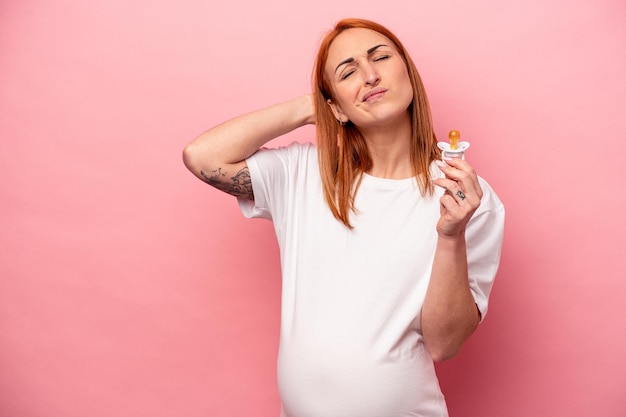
[{"x": 238, "y": 185}]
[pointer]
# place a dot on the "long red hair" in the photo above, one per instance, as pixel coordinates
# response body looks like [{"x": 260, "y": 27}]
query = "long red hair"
[{"x": 342, "y": 151}]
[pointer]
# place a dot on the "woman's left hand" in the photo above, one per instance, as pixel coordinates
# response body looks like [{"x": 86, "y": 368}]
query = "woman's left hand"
[{"x": 461, "y": 199}]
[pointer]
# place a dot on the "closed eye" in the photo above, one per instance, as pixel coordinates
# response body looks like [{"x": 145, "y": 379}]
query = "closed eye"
[{"x": 347, "y": 74}]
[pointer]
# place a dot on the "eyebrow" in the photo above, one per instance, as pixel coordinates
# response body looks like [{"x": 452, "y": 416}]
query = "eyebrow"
[{"x": 349, "y": 60}]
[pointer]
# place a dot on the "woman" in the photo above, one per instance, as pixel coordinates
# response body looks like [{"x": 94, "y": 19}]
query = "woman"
[{"x": 388, "y": 254}]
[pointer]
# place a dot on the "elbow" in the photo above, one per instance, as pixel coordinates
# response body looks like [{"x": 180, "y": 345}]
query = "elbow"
[
  {"x": 189, "y": 156},
  {"x": 199, "y": 157},
  {"x": 196, "y": 159},
  {"x": 443, "y": 353},
  {"x": 446, "y": 345},
  {"x": 444, "y": 339}
]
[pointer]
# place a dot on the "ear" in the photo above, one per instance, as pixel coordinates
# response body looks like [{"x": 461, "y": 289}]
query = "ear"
[{"x": 339, "y": 114}]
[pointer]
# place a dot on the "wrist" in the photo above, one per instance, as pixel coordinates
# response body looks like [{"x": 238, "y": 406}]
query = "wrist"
[
  {"x": 452, "y": 241},
  {"x": 306, "y": 109}
]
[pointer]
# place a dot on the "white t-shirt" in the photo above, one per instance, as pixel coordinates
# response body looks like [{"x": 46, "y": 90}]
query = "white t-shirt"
[{"x": 351, "y": 343}]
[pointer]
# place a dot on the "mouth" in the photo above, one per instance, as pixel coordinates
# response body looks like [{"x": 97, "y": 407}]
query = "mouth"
[{"x": 374, "y": 94}]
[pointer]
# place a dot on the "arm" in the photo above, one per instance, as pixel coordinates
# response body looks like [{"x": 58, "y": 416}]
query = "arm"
[
  {"x": 449, "y": 314},
  {"x": 218, "y": 155}
]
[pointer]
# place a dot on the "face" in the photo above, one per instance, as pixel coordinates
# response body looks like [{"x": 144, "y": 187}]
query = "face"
[{"x": 369, "y": 79}]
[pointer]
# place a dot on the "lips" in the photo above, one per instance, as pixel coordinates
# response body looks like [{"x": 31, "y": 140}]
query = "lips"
[{"x": 374, "y": 94}]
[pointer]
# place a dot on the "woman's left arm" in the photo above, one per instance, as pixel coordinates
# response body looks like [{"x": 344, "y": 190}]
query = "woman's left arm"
[{"x": 450, "y": 314}]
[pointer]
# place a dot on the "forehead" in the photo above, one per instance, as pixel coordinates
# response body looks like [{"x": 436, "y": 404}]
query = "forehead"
[{"x": 352, "y": 43}]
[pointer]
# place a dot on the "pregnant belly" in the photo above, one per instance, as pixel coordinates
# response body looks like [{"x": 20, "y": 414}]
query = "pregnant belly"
[{"x": 324, "y": 383}]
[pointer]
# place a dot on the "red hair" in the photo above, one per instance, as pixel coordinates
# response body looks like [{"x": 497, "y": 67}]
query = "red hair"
[{"x": 342, "y": 151}]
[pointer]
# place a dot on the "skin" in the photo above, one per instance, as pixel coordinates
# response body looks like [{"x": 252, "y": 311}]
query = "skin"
[
  {"x": 362, "y": 62},
  {"x": 449, "y": 314},
  {"x": 372, "y": 90},
  {"x": 218, "y": 155}
]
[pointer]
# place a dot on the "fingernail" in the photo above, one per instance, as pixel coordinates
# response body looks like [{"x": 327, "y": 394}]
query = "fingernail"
[{"x": 442, "y": 165}]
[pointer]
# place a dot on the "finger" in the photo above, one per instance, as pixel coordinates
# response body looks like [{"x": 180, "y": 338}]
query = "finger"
[
  {"x": 456, "y": 200},
  {"x": 449, "y": 204},
  {"x": 460, "y": 195},
  {"x": 463, "y": 173},
  {"x": 453, "y": 214},
  {"x": 466, "y": 171},
  {"x": 452, "y": 188}
]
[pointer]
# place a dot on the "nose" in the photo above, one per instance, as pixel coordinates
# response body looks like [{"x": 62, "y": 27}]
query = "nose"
[{"x": 370, "y": 75}]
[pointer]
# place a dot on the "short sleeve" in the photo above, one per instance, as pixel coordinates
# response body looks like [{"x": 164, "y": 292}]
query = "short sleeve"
[
  {"x": 484, "y": 237},
  {"x": 270, "y": 176}
]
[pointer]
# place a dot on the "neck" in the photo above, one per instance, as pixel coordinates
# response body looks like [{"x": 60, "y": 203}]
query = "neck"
[{"x": 389, "y": 148}]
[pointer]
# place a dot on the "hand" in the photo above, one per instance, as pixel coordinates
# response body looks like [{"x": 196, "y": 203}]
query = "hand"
[
  {"x": 309, "y": 108},
  {"x": 461, "y": 199}
]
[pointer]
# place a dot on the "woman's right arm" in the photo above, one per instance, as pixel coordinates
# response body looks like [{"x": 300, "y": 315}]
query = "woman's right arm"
[{"x": 218, "y": 155}]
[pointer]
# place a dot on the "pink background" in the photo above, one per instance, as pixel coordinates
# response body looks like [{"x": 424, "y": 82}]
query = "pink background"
[{"x": 129, "y": 288}]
